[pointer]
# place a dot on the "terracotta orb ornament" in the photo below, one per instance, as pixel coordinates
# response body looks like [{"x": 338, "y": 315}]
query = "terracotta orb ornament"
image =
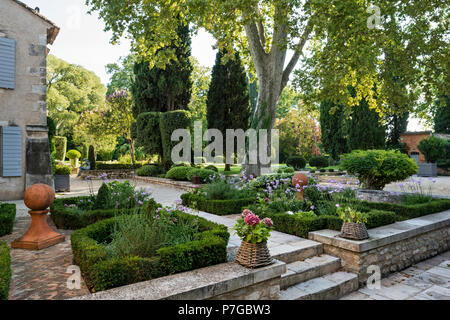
[
  {"x": 39, "y": 235},
  {"x": 301, "y": 180}
]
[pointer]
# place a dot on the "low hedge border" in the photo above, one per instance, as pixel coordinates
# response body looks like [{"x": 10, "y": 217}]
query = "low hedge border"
[
  {"x": 116, "y": 166},
  {"x": 410, "y": 211},
  {"x": 301, "y": 226},
  {"x": 68, "y": 219},
  {"x": 5, "y": 270},
  {"x": 218, "y": 207},
  {"x": 7, "y": 218},
  {"x": 102, "y": 272}
]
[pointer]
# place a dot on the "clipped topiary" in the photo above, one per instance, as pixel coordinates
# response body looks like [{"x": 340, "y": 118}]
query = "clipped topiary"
[
  {"x": 204, "y": 174},
  {"x": 432, "y": 148},
  {"x": 62, "y": 170},
  {"x": 319, "y": 161},
  {"x": 103, "y": 197},
  {"x": 211, "y": 167},
  {"x": 376, "y": 168},
  {"x": 150, "y": 171},
  {"x": 91, "y": 157},
  {"x": 297, "y": 162},
  {"x": 179, "y": 173}
]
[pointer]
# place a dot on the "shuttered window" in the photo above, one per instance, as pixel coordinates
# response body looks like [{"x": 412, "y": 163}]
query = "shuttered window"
[
  {"x": 10, "y": 151},
  {"x": 7, "y": 63}
]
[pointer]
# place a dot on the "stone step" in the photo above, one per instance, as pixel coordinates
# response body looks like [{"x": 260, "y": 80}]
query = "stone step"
[
  {"x": 296, "y": 251},
  {"x": 301, "y": 271},
  {"x": 329, "y": 287}
]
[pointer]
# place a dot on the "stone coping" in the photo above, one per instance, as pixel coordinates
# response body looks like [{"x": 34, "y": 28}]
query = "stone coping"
[
  {"x": 385, "y": 235},
  {"x": 204, "y": 283}
]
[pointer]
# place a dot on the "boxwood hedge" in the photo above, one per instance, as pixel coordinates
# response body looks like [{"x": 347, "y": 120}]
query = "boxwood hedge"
[
  {"x": 7, "y": 217},
  {"x": 5, "y": 270},
  {"x": 116, "y": 166},
  {"x": 66, "y": 218},
  {"x": 219, "y": 207},
  {"x": 103, "y": 272}
]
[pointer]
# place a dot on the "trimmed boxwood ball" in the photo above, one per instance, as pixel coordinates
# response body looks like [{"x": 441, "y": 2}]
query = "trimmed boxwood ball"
[
  {"x": 102, "y": 272},
  {"x": 319, "y": 161},
  {"x": 179, "y": 173},
  {"x": 150, "y": 171},
  {"x": 62, "y": 170},
  {"x": 376, "y": 168},
  {"x": 297, "y": 162},
  {"x": 73, "y": 154},
  {"x": 204, "y": 174},
  {"x": 5, "y": 270},
  {"x": 211, "y": 167},
  {"x": 7, "y": 217}
]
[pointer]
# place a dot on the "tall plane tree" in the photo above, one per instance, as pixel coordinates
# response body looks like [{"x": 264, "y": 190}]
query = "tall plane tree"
[{"x": 347, "y": 42}]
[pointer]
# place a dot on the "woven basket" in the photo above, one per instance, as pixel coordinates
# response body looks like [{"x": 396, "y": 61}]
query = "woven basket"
[
  {"x": 253, "y": 255},
  {"x": 354, "y": 231}
]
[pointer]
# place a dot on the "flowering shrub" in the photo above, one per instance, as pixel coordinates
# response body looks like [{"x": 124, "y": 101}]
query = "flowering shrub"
[{"x": 250, "y": 228}]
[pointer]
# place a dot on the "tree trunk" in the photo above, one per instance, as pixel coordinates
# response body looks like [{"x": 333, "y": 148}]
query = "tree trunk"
[{"x": 132, "y": 151}]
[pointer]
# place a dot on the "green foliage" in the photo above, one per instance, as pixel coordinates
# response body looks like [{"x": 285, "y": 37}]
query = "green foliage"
[
  {"x": 333, "y": 129},
  {"x": 5, "y": 270},
  {"x": 7, "y": 217},
  {"x": 319, "y": 161},
  {"x": 286, "y": 170},
  {"x": 60, "y": 147},
  {"x": 212, "y": 167},
  {"x": 432, "y": 148},
  {"x": 376, "y": 168},
  {"x": 62, "y": 170},
  {"x": 169, "y": 122},
  {"x": 228, "y": 104},
  {"x": 222, "y": 190},
  {"x": 396, "y": 125},
  {"x": 104, "y": 272},
  {"x": 73, "y": 154},
  {"x": 169, "y": 88},
  {"x": 348, "y": 214},
  {"x": 365, "y": 130},
  {"x": 92, "y": 157},
  {"x": 179, "y": 173},
  {"x": 149, "y": 133},
  {"x": 298, "y": 162},
  {"x": 121, "y": 74},
  {"x": 105, "y": 155},
  {"x": 104, "y": 197},
  {"x": 117, "y": 166},
  {"x": 442, "y": 117},
  {"x": 204, "y": 174},
  {"x": 218, "y": 207},
  {"x": 150, "y": 171}
]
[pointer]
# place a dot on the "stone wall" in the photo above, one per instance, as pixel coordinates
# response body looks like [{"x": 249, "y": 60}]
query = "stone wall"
[
  {"x": 392, "y": 248},
  {"x": 266, "y": 290},
  {"x": 25, "y": 105}
]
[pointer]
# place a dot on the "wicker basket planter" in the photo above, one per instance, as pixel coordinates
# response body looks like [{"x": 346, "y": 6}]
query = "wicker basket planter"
[
  {"x": 253, "y": 255},
  {"x": 354, "y": 231}
]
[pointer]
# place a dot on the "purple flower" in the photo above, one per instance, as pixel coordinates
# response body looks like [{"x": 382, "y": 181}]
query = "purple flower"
[
  {"x": 312, "y": 207},
  {"x": 337, "y": 205}
]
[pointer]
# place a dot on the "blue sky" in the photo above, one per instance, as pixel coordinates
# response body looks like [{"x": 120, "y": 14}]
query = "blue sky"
[{"x": 82, "y": 39}]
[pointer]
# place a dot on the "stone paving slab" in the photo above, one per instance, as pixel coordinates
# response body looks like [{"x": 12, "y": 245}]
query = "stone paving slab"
[{"x": 427, "y": 280}]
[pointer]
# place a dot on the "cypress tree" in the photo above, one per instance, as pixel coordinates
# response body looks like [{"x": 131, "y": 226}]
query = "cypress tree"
[
  {"x": 333, "y": 130},
  {"x": 442, "y": 117},
  {"x": 395, "y": 126},
  {"x": 169, "y": 89},
  {"x": 365, "y": 130},
  {"x": 228, "y": 104}
]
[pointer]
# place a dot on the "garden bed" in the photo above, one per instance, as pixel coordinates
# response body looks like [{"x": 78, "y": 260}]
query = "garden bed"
[
  {"x": 103, "y": 270},
  {"x": 107, "y": 173},
  {"x": 218, "y": 207},
  {"x": 7, "y": 217},
  {"x": 5, "y": 270}
]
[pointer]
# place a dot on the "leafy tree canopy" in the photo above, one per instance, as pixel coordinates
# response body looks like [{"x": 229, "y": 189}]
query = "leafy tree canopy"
[{"x": 121, "y": 74}]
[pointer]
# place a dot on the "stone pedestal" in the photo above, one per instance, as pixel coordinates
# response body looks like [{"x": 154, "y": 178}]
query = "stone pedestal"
[{"x": 39, "y": 235}]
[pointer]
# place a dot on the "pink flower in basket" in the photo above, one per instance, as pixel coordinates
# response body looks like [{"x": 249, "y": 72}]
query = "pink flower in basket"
[
  {"x": 246, "y": 212},
  {"x": 267, "y": 200},
  {"x": 268, "y": 222},
  {"x": 251, "y": 219}
]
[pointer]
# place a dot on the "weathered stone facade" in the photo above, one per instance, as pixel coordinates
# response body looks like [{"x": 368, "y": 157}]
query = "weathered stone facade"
[{"x": 25, "y": 105}]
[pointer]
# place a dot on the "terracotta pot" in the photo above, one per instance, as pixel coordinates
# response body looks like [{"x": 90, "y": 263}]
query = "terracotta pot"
[
  {"x": 196, "y": 180},
  {"x": 354, "y": 231},
  {"x": 253, "y": 255}
]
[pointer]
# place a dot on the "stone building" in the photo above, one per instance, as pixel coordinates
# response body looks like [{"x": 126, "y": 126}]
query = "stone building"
[{"x": 24, "y": 146}]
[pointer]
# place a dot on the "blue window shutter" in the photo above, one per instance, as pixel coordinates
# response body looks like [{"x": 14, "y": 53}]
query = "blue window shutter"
[
  {"x": 7, "y": 63},
  {"x": 11, "y": 148}
]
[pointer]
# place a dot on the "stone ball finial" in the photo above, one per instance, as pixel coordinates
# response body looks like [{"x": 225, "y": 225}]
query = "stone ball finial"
[
  {"x": 300, "y": 178},
  {"x": 39, "y": 197}
]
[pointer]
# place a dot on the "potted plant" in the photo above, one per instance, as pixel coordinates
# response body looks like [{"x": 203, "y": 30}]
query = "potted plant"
[
  {"x": 354, "y": 226},
  {"x": 196, "y": 179},
  {"x": 62, "y": 178},
  {"x": 432, "y": 148},
  {"x": 73, "y": 155},
  {"x": 254, "y": 233}
]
